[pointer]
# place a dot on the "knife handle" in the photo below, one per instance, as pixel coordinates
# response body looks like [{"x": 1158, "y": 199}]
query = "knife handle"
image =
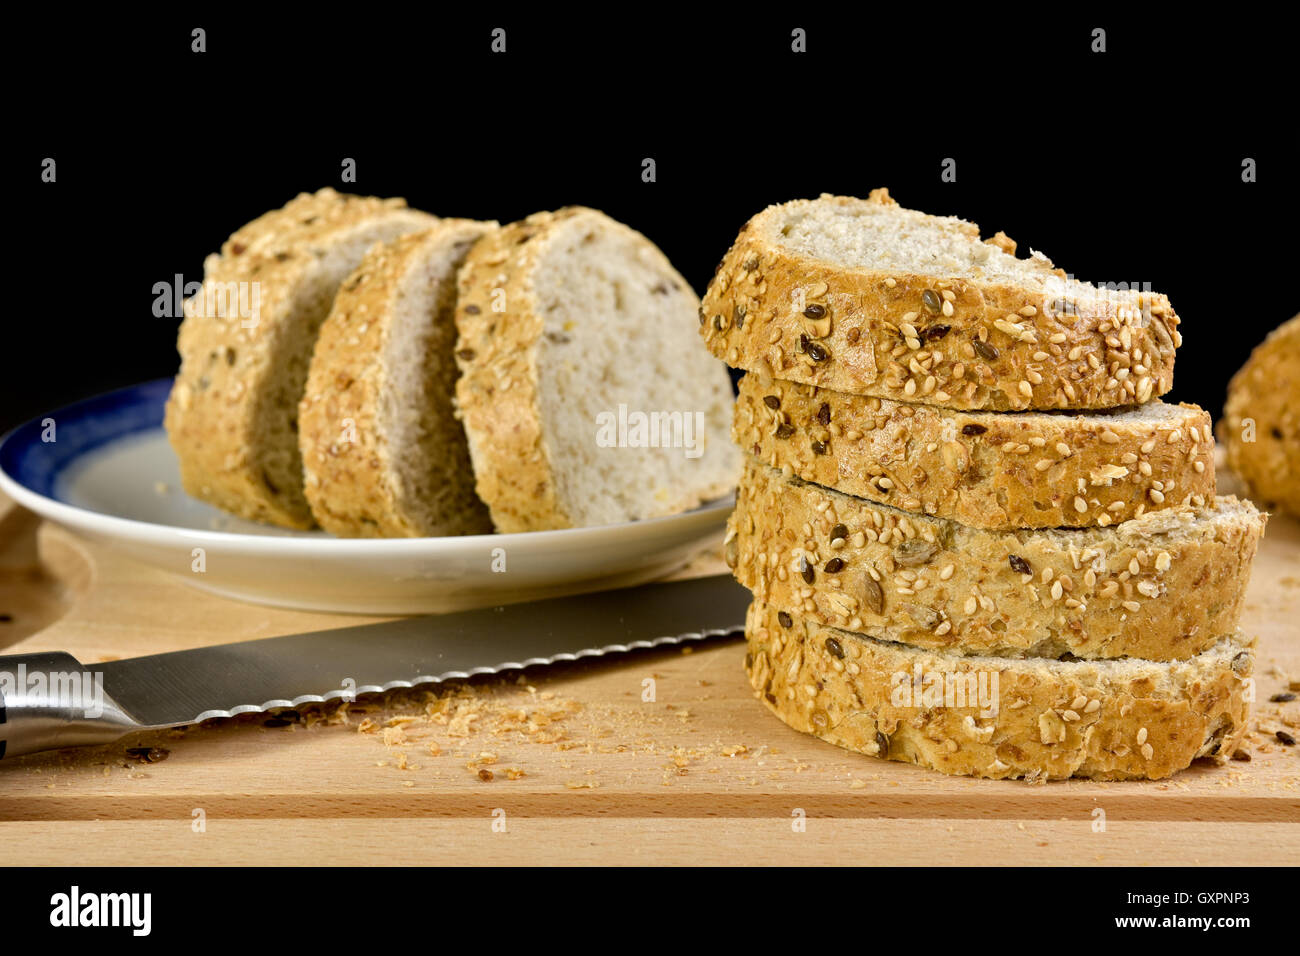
[{"x": 49, "y": 701}]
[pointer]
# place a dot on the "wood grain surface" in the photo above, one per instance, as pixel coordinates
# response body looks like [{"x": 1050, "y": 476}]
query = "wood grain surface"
[{"x": 573, "y": 763}]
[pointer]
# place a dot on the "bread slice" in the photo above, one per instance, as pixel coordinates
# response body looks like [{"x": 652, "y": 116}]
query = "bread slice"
[
  {"x": 246, "y": 342},
  {"x": 1037, "y": 719},
  {"x": 982, "y": 469},
  {"x": 382, "y": 450},
  {"x": 863, "y": 296},
  {"x": 1163, "y": 586},
  {"x": 1261, "y": 420},
  {"x": 573, "y": 327}
]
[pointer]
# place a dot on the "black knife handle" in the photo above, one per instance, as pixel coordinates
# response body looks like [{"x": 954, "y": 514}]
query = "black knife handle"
[{"x": 49, "y": 701}]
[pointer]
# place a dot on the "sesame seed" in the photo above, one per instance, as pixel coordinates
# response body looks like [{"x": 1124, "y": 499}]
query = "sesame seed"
[
  {"x": 1199, "y": 467},
  {"x": 947, "y": 308},
  {"x": 1132, "y": 606},
  {"x": 1142, "y": 735},
  {"x": 1057, "y": 590},
  {"x": 1148, "y": 751},
  {"x": 1163, "y": 561},
  {"x": 1026, "y": 389},
  {"x": 1157, "y": 496},
  {"x": 1092, "y": 707},
  {"x": 970, "y": 605},
  {"x": 947, "y": 572},
  {"x": 890, "y": 283},
  {"x": 1133, "y": 567},
  {"x": 1063, "y": 449},
  {"x": 1043, "y": 464}
]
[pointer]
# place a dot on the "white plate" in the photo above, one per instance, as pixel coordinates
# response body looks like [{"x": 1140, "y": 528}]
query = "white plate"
[{"x": 109, "y": 474}]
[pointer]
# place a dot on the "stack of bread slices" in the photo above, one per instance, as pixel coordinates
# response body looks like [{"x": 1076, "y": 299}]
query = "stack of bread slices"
[
  {"x": 380, "y": 372},
  {"x": 976, "y": 538}
]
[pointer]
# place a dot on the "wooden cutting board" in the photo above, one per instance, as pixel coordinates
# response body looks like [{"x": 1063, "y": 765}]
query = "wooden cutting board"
[{"x": 657, "y": 757}]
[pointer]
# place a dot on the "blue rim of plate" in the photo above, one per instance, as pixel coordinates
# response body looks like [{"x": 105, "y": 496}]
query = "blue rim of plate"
[
  {"x": 30, "y": 468},
  {"x": 36, "y": 464}
]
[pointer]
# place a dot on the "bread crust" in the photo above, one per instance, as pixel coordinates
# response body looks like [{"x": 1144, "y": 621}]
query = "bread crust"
[
  {"x": 227, "y": 361},
  {"x": 1132, "y": 590},
  {"x": 1266, "y": 391},
  {"x": 498, "y": 392},
  {"x": 352, "y": 486},
  {"x": 1112, "y": 720},
  {"x": 1036, "y": 349},
  {"x": 982, "y": 469}
]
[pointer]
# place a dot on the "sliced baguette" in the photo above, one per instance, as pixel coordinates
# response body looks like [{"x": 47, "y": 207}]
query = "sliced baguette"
[
  {"x": 982, "y": 469},
  {"x": 564, "y": 318},
  {"x": 232, "y": 416},
  {"x": 1163, "y": 586},
  {"x": 1261, "y": 420},
  {"x": 383, "y": 453},
  {"x": 863, "y": 296},
  {"x": 1037, "y": 719}
]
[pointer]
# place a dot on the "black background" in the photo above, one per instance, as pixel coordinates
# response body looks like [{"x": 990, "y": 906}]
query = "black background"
[{"x": 1122, "y": 167}]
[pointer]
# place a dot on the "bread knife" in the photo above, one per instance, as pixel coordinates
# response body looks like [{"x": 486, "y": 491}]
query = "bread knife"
[{"x": 49, "y": 701}]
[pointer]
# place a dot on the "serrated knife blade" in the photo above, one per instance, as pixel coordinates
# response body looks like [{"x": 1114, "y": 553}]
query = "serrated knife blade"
[{"x": 184, "y": 687}]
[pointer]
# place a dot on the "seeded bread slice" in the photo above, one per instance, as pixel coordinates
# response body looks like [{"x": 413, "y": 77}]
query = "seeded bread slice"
[
  {"x": 863, "y": 296},
  {"x": 1266, "y": 394},
  {"x": 994, "y": 717},
  {"x": 983, "y": 469},
  {"x": 571, "y": 327},
  {"x": 232, "y": 416},
  {"x": 1163, "y": 586},
  {"x": 382, "y": 450}
]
